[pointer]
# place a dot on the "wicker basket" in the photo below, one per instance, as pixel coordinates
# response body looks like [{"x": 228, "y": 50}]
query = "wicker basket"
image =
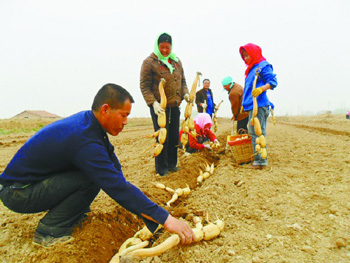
[{"x": 241, "y": 148}]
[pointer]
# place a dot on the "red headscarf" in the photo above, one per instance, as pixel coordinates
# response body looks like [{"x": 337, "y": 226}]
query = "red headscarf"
[{"x": 255, "y": 55}]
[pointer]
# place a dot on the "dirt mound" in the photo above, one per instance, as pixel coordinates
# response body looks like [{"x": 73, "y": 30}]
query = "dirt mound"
[{"x": 294, "y": 211}]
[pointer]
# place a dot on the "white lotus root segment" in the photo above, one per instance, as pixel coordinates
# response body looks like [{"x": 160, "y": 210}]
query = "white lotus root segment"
[{"x": 209, "y": 170}]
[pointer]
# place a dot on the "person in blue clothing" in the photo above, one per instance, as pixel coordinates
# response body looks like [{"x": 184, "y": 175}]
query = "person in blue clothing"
[
  {"x": 64, "y": 165},
  {"x": 205, "y": 99},
  {"x": 253, "y": 58}
]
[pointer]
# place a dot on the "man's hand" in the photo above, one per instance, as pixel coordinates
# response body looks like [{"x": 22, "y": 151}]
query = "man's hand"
[
  {"x": 181, "y": 228},
  {"x": 204, "y": 105},
  {"x": 257, "y": 92},
  {"x": 157, "y": 108},
  {"x": 207, "y": 146},
  {"x": 187, "y": 97}
]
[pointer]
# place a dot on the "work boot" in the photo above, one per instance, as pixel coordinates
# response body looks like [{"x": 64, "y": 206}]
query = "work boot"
[
  {"x": 48, "y": 241},
  {"x": 173, "y": 169}
]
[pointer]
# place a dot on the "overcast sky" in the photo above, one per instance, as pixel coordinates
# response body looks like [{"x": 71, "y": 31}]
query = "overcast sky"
[{"x": 55, "y": 55}]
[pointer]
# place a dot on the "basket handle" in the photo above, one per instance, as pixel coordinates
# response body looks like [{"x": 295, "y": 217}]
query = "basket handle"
[{"x": 242, "y": 131}]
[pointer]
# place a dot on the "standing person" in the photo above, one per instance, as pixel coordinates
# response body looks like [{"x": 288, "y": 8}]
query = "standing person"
[
  {"x": 253, "y": 58},
  {"x": 203, "y": 124},
  {"x": 64, "y": 165},
  {"x": 204, "y": 98},
  {"x": 235, "y": 95},
  {"x": 163, "y": 63}
]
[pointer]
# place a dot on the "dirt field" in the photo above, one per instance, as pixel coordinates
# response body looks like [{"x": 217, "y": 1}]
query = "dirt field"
[{"x": 297, "y": 210}]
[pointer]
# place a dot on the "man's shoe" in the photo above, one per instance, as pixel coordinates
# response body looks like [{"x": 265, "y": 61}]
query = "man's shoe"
[
  {"x": 164, "y": 173},
  {"x": 173, "y": 169},
  {"x": 48, "y": 241},
  {"x": 256, "y": 166}
]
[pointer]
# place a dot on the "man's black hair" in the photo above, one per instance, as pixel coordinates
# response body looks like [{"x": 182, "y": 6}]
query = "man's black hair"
[
  {"x": 113, "y": 95},
  {"x": 204, "y": 80}
]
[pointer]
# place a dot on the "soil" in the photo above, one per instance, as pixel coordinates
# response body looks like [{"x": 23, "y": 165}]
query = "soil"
[{"x": 296, "y": 210}]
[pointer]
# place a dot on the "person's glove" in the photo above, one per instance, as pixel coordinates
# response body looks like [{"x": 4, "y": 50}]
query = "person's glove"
[
  {"x": 217, "y": 142},
  {"x": 187, "y": 97},
  {"x": 242, "y": 110},
  {"x": 204, "y": 105},
  {"x": 257, "y": 92},
  {"x": 157, "y": 108},
  {"x": 207, "y": 146}
]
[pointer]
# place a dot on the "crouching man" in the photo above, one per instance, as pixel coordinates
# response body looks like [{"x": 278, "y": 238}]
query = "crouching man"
[{"x": 63, "y": 167}]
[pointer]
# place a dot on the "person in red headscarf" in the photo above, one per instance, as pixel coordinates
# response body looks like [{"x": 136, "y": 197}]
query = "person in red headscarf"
[
  {"x": 253, "y": 58},
  {"x": 203, "y": 123}
]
